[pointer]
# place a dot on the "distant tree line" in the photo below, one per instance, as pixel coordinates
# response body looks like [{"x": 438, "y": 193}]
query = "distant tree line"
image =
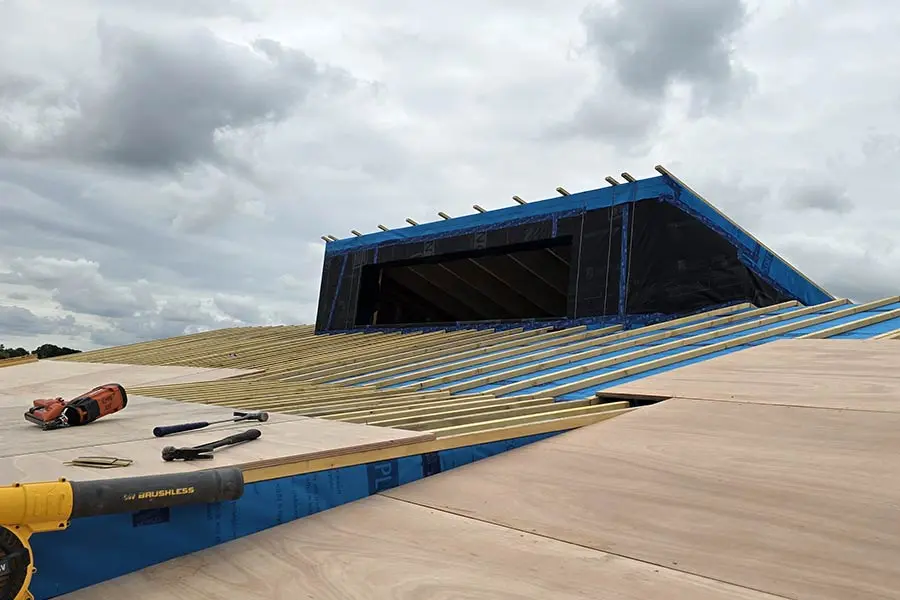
[{"x": 42, "y": 351}]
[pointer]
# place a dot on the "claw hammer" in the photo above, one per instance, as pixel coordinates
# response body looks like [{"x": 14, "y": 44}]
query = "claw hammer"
[{"x": 165, "y": 430}]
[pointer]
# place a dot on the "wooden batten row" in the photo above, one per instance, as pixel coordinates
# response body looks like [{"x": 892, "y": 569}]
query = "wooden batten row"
[{"x": 430, "y": 381}]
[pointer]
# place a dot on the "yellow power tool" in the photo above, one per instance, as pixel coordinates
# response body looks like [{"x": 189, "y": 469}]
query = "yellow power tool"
[{"x": 31, "y": 508}]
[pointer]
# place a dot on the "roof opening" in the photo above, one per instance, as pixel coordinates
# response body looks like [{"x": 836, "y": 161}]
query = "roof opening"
[{"x": 512, "y": 282}]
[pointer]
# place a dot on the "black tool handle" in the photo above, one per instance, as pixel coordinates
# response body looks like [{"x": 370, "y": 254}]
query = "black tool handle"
[
  {"x": 170, "y": 429},
  {"x": 110, "y": 496},
  {"x": 238, "y": 438}
]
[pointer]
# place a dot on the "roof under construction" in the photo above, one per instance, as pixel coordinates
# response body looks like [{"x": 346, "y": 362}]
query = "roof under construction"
[
  {"x": 730, "y": 447},
  {"x": 631, "y": 252}
]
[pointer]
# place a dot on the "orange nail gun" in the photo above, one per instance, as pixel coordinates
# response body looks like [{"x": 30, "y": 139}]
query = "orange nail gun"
[{"x": 55, "y": 413}]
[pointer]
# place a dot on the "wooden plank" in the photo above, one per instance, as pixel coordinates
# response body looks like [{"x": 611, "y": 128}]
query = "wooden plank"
[
  {"x": 556, "y": 357},
  {"x": 395, "y": 550},
  {"x": 284, "y": 440},
  {"x": 238, "y": 344},
  {"x": 391, "y": 417},
  {"x": 18, "y": 360},
  {"x": 58, "y": 378},
  {"x": 888, "y": 335},
  {"x": 411, "y": 372},
  {"x": 845, "y": 374},
  {"x": 656, "y": 363},
  {"x": 330, "y": 366},
  {"x": 136, "y": 422},
  {"x": 103, "y": 354},
  {"x": 523, "y": 414},
  {"x": 792, "y": 501},
  {"x": 395, "y": 367},
  {"x": 478, "y": 339},
  {"x": 191, "y": 346},
  {"x": 878, "y": 317},
  {"x": 749, "y": 319},
  {"x": 288, "y": 399},
  {"x": 734, "y": 342},
  {"x": 513, "y": 357},
  {"x": 484, "y": 436},
  {"x": 324, "y": 354},
  {"x": 331, "y": 410},
  {"x": 29, "y": 454},
  {"x": 604, "y": 411}
]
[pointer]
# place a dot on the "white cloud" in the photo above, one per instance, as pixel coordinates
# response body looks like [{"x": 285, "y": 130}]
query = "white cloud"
[{"x": 170, "y": 166}]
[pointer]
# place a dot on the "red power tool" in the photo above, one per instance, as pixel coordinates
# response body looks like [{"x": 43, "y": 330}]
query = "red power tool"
[{"x": 55, "y": 413}]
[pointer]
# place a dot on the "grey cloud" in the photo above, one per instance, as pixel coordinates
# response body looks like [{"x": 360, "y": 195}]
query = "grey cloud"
[
  {"x": 187, "y": 236},
  {"x": 26, "y": 211},
  {"x": 164, "y": 100},
  {"x": 170, "y": 97},
  {"x": 241, "y": 308},
  {"x": 819, "y": 196},
  {"x": 649, "y": 45},
  {"x": 43, "y": 219},
  {"x": 171, "y": 319},
  {"x": 192, "y": 8},
  {"x": 77, "y": 286},
  {"x": 130, "y": 312},
  {"x": 202, "y": 227},
  {"x": 881, "y": 148},
  {"x": 643, "y": 48},
  {"x": 744, "y": 201},
  {"x": 212, "y": 198},
  {"x": 16, "y": 321},
  {"x": 861, "y": 270},
  {"x": 220, "y": 206},
  {"x": 16, "y": 85},
  {"x": 611, "y": 116}
]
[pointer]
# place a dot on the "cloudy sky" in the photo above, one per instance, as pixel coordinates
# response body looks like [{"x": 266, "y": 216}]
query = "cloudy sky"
[{"x": 168, "y": 165}]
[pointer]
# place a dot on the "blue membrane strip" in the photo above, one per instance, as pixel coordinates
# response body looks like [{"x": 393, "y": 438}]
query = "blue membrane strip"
[{"x": 97, "y": 549}]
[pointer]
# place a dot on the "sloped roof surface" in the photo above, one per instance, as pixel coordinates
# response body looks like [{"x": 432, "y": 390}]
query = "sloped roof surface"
[
  {"x": 783, "y": 492},
  {"x": 462, "y": 381}
]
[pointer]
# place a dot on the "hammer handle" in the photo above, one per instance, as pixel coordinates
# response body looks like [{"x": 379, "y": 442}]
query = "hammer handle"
[
  {"x": 169, "y": 429},
  {"x": 237, "y": 438}
]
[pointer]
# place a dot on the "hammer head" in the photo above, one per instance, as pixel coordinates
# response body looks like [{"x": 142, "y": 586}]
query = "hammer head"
[{"x": 262, "y": 417}]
